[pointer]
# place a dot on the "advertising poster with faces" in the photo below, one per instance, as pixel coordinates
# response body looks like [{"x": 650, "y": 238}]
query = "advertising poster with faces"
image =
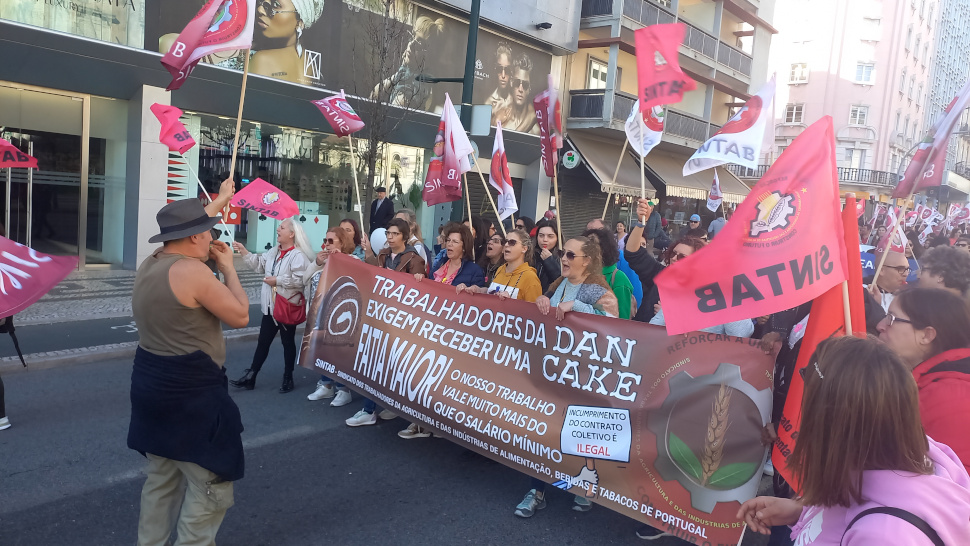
[{"x": 332, "y": 45}]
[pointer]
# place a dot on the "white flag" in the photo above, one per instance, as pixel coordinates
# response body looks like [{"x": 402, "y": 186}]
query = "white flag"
[
  {"x": 715, "y": 198},
  {"x": 499, "y": 177},
  {"x": 645, "y": 134},
  {"x": 739, "y": 140},
  {"x": 455, "y": 134}
]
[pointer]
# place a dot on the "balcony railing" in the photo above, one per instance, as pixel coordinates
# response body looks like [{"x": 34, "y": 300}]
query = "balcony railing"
[
  {"x": 713, "y": 129},
  {"x": 594, "y": 8},
  {"x": 683, "y": 125},
  {"x": 846, "y": 175},
  {"x": 700, "y": 41},
  {"x": 738, "y": 60},
  {"x": 646, "y": 13},
  {"x": 588, "y": 104}
]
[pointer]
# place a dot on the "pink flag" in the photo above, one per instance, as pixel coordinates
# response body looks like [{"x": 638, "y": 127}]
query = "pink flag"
[
  {"x": 11, "y": 156},
  {"x": 860, "y": 208},
  {"x": 221, "y": 25},
  {"x": 266, "y": 199},
  {"x": 26, "y": 275},
  {"x": 548, "y": 115},
  {"x": 173, "y": 133},
  {"x": 499, "y": 177},
  {"x": 659, "y": 76},
  {"x": 341, "y": 116},
  {"x": 963, "y": 215},
  {"x": 451, "y": 149},
  {"x": 926, "y": 168}
]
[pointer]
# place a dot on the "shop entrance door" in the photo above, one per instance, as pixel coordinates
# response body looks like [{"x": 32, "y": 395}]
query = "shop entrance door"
[{"x": 43, "y": 208}]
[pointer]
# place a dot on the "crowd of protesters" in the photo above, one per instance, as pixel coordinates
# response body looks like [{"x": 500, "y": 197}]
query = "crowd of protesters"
[{"x": 883, "y": 450}]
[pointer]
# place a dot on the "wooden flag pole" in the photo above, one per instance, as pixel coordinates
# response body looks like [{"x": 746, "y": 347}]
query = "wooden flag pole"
[
  {"x": 555, "y": 184},
  {"x": 489, "y": 194},
  {"x": 468, "y": 201},
  {"x": 643, "y": 185},
  {"x": 205, "y": 191},
  {"x": 616, "y": 173},
  {"x": 353, "y": 168},
  {"x": 895, "y": 228},
  {"x": 242, "y": 100}
]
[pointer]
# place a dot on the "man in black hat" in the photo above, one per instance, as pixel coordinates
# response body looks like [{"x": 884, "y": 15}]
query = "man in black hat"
[
  {"x": 381, "y": 210},
  {"x": 182, "y": 418}
]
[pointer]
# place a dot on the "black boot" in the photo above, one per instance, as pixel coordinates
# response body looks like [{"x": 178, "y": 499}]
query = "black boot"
[
  {"x": 247, "y": 381},
  {"x": 287, "y": 385}
]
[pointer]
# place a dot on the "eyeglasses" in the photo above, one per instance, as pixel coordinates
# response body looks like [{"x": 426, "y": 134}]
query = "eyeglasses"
[
  {"x": 695, "y": 221},
  {"x": 330, "y": 241},
  {"x": 677, "y": 256},
  {"x": 511, "y": 243},
  {"x": 901, "y": 269},
  {"x": 569, "y": 255},
  {"x": 802, "y": 371},
  {"x": 394, "y": 233},
  {"x": 503, "y": 69},
  {"x": 894, "y": 319},
  {"x": 524, "y": 84},
  {"x": 273, "y": 8},
  {"x": 962, "y": 245}
]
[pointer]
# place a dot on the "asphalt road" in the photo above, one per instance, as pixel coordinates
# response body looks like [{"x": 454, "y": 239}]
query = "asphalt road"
[
  {"x": 67, "y": 477},
  {"x": 59, "y": 336}
]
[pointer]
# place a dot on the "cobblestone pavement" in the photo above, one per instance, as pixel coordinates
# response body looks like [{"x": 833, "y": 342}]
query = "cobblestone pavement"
[{"x": 95, "y": 294}]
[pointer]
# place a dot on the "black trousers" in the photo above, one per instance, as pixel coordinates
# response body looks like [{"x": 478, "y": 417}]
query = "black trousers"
[{"x": 267, "y": 332}]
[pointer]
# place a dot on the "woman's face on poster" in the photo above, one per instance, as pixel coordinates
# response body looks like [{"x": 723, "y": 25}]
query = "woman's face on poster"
[
  {"x": 277, "y": 19},
  {"x": 504, "y": 70},
  {"x": 520, "y": 86}
]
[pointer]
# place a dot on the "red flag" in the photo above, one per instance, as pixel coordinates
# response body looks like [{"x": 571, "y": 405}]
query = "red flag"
[
  {"x": 173, "y": 133},
  {"x": 26, "y": 275},
  {"x": 451, "y": 149},
  {"x": 549, "y": 117},
  {"x": 963, "y": 215},
  {"x": 658, "y": 71},
  {"x": 221, "y": 25},
  {"x": 826, "y": 319},
  {"x": 860, "y": 208},
  {"x": 340, "y": 114},
  {"x": 895, "y": 237},
  {"x": 500, "y": 178},
  {"x": 783, "y": 246},
  {"x": 266, "y": 199},
  {"x": 11, "y": 156},
  {"x": 926, "y": 168}
]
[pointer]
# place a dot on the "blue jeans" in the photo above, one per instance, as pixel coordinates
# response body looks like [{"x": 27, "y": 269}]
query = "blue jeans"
[
  {"x": 328, "y": 381},
  {"x": 369, "y": 405}
]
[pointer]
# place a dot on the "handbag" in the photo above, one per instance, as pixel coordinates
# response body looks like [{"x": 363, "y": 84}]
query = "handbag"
[{"x": 285, "y": 311}]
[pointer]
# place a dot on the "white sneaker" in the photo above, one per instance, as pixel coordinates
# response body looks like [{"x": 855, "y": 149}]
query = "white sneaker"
[
  {"x": 4, "y": 423},
  {"x": 362, "y": 418},
  {"x": 342, "y": 399},
  {"x": 387, "y": 415},
  {"x": 414, "y": 431},
  {"x": 323, "y": 391}
]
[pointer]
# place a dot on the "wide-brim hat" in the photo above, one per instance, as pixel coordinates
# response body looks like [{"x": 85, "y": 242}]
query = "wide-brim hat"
[{"x": 182, "y": 218}]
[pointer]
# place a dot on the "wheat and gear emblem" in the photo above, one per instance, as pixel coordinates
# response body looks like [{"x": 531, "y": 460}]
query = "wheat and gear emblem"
[{"x": 774, "y": 212}]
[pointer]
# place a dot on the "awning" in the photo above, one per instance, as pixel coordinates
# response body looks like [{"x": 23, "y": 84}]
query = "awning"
[
  {"x": 669, "y": 169},
  {"x": 601, "y": 157}
]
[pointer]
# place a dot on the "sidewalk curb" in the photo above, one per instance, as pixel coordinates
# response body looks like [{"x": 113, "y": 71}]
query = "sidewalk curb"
[{"x": 84, "y": 355}]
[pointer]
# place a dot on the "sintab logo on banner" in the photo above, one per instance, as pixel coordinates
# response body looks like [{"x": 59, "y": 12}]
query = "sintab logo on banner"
[
  {"x": 775, "y": 211},
  {"x": 570, "y": 160},
  {"x": 270, "y": 198}
]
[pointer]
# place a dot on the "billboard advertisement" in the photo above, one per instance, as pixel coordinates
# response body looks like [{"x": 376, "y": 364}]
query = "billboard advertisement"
[{"x": 116, "y": 21}]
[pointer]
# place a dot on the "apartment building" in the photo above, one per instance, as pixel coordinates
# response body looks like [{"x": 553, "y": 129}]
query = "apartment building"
[{"x": 725, "y": 50}]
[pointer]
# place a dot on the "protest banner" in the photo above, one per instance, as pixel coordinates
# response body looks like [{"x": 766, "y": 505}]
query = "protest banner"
[
  {"x": 783, "y": 246},
  {"x": 265, "y": 199},
  {"x": 345, "y": 122},
  {"x": 662, "y": 429},
  {"x": 26, "y": 275}
]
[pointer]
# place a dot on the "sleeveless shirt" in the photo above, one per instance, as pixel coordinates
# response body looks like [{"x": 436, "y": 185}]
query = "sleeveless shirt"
[{"x": 165, "y": 326}]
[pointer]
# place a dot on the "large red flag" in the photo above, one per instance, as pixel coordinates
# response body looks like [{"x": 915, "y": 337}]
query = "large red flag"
[
  {"x": 340, "y": 114},
  {"x": 11, "y": 156},
  {"x": 221, "y": 25},
  {"x": 549, "y": 118},
  {"x": 451, "y": 149},
  {"x": 783, "y": 246},
  {"x": 926, "y": 168},
  {"x": 26, "y": 275},
  {"x": 266, "y": 199},
  {"x": 658, "y": 72},
  {"x": 827, "y": 319},
  {"x": 500, "y": 178},
  {"x": 173, "y": 133}
]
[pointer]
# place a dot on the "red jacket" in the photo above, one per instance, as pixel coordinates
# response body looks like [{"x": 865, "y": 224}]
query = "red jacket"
[{"x": 944, "y": 400}]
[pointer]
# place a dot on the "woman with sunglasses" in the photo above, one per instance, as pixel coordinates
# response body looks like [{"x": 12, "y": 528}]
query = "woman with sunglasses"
[
  {"x": 515, "y": 278},
  {"x": 280, "y": 24},
  {"x": 492, "y": 259},
  {"x": 351, "y": 228},
  {"x": 546, "y": 258},
  {"x": 459, "y": 268},
  {"x": 336, "y": 241},
  {"x": 868, "y": 473},
  {"x": 929, "y": 328}
]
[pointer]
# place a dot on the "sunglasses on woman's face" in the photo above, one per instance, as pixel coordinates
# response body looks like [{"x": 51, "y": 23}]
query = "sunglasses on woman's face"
[
  {"x": 804, "y": 373},
  {"x": 273, "y": 8},
  {"x": 511, "y": 243},
  {"x": 329, "y": 241},
  {"x": 569, "y": 255},
  {"x": 676, "y": 256}
]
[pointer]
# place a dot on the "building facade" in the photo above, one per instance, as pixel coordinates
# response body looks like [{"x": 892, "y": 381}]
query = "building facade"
[
  {"x": 83, "y": 75},
  {"x": 725, "y": 50}
]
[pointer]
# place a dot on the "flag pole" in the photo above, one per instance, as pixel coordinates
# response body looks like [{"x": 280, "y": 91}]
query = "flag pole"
[
  {"x": 885, "y": 252},
  {"x": 489, "y": 194},
  {"x": 242, "y": 100},
  {"x": 643, "y": 185},
  {"x": 555, "y": 184},
  {"x": 222, "y": 219},
  {"x": 616, "y": 173},
  {"x": 353, "y": 168},
  {"x": 468, "y": 201}
]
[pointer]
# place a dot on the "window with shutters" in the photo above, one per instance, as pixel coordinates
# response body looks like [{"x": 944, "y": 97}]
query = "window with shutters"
[
  {"x": 799, "y": 73},
  {"x": 865, "y": 73},
  {"x": 794, "y": 113},
  {"x": 858, "y": 115}
]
